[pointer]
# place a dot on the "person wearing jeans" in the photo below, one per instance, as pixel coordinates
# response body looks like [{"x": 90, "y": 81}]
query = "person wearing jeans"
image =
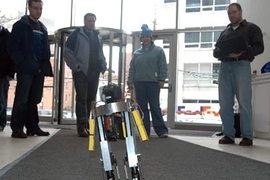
[
  {"x": 235, "y": 74},
  {"x": 30, "y": 52},
  {"x": 147, "y": 73}
]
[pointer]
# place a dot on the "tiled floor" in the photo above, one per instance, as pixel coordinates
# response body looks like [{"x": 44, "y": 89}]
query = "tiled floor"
[
  {"x": 12, "y": 150},
  {"x": 259, "y": 151}
]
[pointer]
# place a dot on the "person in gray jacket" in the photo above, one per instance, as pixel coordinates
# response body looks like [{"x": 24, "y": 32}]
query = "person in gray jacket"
[
  {"x": 147, "y": 73},
  {"x": 84, "y": 56}
]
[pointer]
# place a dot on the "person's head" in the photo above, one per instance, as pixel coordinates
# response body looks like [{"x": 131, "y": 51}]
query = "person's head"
[
  {"x": 235, "y": 13},
  {"x": 146, "y": 35},
  {"x": 89, "y": 21},
  {"x": 35, "y": 9}
]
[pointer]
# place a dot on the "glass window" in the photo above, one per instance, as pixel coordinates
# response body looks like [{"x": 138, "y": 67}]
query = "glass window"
[
  {"x": 206, "y": 5},
  {"x": 207, "y": 9},
  {"x": 193, "y": 6},
  {"x": 221, "y": 5},
  {"x": 222, "y": 2},
  {"x": 207, "y": 2},
  {"x": 190, "y": 70},
  {"x": 216, "y": 35},
  {"x": 205, "y": 74},
  {"x": 205, "y": 70},
  {"x": 215, "y": 70},
  {"x": 189, "y": 101},
  {"x": 169, "y": 1},
  {"x": 193, "y": 3},
  {"x": 193, "y": 10},
  {"x": 197, "y": 82},
  {"x": 204, "y": 101},
  {"x": 192, "y": 39},
  {"x": 220, "y": 8},
  {"x": 206, "y": 39},
  {"x": 201, "y": 39},
  {"x": 202, "y": 73}
]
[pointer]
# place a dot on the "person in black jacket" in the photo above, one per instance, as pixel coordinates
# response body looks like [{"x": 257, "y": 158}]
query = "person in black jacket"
[
  {"x": 6, "y": 75},
  {"x": 235, "y": 74},
  {"x": 30, "y": 51}
]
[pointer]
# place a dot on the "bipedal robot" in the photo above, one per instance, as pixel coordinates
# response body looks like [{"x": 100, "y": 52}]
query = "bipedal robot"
[{"x": 117, "y": 120}]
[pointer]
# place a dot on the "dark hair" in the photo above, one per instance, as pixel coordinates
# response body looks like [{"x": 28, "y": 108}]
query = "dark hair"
[
  {"x": 238, "y": 6},
  {"x": 89, "y": 14},
  {"x": 30, "y": 2}
]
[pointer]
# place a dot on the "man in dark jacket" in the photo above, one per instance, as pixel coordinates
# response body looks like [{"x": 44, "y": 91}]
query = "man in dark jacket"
[
  {"x": 6, "y": 74},
  {"x": 235, "y": 73},
  {"x": 30, "y": 51}
]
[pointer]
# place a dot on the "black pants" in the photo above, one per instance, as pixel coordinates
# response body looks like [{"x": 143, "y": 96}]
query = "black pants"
[
  {"x": 28, "y": 94},
  {"x": 86, "y": 90}
]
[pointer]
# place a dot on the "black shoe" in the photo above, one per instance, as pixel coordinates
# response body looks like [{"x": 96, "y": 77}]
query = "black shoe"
[
  {"x": 2, "y": 128},
  {"x": 83, "y": 132},
  {"x": 18, "y": 134},
  {"x": 246, "y": 142},
  {"x": 37, "y": 133},
  {"x": 226, "y": 140}
]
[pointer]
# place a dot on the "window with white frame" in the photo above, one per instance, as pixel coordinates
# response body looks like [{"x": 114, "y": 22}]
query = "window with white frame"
[
  {"x": 198, "y": 81},
  {"x": 201, "y": 39},
  {"x": 206, "y": 5},
  {"x": 170, "y": 1},
  {"x": 200, "y": 74},
  {"x": 215, "y": 72}
]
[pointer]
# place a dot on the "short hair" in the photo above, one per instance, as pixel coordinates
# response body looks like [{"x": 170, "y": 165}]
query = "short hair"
[
  {"x": 89, "y": 14},
  {"x": 238, "y": 6},
  {"x": 30, "y": 2}
]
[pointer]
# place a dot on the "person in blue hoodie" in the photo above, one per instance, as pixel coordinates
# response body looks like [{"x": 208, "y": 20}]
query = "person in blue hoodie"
[
  {"x": 6, "y": 75},
  {"x": 147, "y": 73},
  {"x": 30, "y": 52}
]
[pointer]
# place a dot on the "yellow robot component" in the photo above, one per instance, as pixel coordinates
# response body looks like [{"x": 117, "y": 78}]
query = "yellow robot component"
[
  {"x": 124, "y": 129},
  {"x": 91, "y": 134},
  {"x": 140, "y": 125}
]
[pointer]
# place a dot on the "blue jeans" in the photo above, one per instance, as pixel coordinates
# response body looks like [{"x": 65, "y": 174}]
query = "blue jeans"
[
  {"x": 4, "y": 85},
  {"x": 86, "y": 90},
  {"x": 235, "y": 80},
  {"x": 28, "y": 94},
  {"x": 148, "y": 92}
]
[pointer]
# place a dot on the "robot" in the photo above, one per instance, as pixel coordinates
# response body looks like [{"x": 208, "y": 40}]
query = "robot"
[{"x": 117, "y": 120}]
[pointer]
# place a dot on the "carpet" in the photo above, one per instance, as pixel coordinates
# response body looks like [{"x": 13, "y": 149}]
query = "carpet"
[{"x": 66, "y": 157}]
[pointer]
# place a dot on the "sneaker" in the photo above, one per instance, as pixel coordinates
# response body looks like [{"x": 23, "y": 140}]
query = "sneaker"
[
  {"x": 246, "y": 142},
  {"x": 18, "y": 134},
  {"x": 37, "y": 133},
  {"x": 226, "y": 140},
  {"x": 164, "y": 135}
]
